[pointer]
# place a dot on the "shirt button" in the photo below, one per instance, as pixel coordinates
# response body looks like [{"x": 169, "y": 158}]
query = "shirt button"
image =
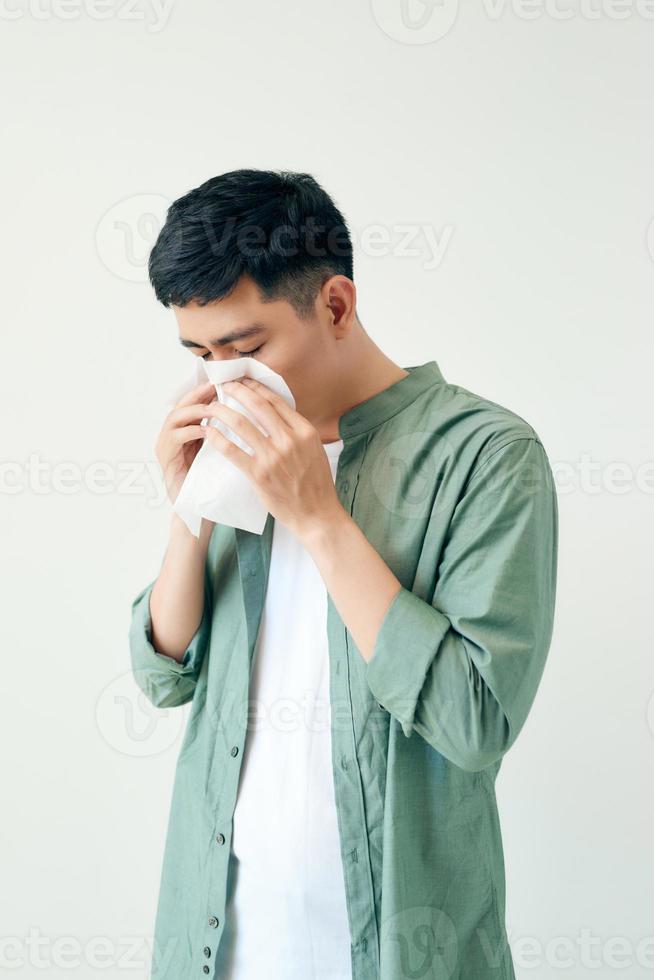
[
  {"x": 213, "y": 921},
  {"x": 253, "y": 572},
  {"x": 234, "y": 750},
  {"x": 207, "y": 951},
  {"x": 220, "y": 839},
  {"x": 345, "y": 486},
  {"x": 205, "y": 968}
]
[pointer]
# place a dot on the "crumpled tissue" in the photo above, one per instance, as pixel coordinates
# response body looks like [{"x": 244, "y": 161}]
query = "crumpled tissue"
[{"x": 214, "y": 487}]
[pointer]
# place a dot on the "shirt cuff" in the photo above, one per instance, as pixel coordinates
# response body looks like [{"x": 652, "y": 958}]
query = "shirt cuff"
[
  {"x": 406, "y": 644},
  {"x": 143, "y": 652}
]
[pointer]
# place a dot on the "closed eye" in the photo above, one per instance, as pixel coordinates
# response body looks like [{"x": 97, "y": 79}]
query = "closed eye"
[{"x": 241, "y": 353}]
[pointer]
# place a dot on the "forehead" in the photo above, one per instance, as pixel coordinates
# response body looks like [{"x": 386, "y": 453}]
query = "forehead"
[
  {"x": 217, "y": 320},
  {"x": 222, "y": 323},
  {"x": 233, "y": 317},
  {"x": 243, "y": 304}
]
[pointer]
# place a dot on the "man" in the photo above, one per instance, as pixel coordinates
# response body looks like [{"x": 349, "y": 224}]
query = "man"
[{"x": 390, "y": 625}]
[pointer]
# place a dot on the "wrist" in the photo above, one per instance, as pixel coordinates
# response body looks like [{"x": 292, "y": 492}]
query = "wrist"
[
  {"x": 183, "y": 536},
  {"x": 324, "y": 531}
]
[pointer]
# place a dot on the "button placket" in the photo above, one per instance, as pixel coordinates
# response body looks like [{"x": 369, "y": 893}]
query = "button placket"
[{"x": 358, "y": 873}]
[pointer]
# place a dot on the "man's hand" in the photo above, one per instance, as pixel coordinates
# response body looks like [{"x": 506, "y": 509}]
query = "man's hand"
[
  {"x": 181, "y": 436},
  {"x": 289, "y": 470}
]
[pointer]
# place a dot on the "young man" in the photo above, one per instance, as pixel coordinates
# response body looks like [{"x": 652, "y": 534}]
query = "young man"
[{"x": 358, "y": 671}]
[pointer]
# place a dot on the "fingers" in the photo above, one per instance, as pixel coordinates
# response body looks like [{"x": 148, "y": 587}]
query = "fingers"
[
  {"x": 289, "y": 415},
  {"x": 195, "y": 394},
  {"x": 188, "y": 434},
  {"x": 240, "y": 425},
  {"x": 188, "y": 413},
  {"x": 263, "y": 409}
]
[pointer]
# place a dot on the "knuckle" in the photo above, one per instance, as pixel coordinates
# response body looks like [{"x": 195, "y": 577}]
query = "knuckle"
[{"x": 285, "y": 444}]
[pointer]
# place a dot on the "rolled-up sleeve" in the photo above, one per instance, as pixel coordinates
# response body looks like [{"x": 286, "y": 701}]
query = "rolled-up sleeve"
[
  {"x": 165, "y": 681},
  {"x": 462, "y": 669}
]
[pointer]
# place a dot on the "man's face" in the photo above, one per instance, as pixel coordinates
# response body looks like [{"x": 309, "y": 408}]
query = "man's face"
[{"x": 301, "y": 351}]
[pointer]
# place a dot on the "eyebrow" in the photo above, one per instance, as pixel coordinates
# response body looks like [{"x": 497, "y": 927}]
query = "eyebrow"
[{"x": 229, "y": 338}]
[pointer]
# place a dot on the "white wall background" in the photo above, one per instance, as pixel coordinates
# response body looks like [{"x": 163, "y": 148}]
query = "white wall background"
[{"x": 516, "y": 136}]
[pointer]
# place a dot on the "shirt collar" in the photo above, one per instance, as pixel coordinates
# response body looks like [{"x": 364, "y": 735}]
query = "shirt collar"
[{"x": 388, "y": 402}]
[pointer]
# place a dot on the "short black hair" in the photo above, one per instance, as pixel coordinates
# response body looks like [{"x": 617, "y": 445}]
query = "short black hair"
[{"x": 280, "y": 228}]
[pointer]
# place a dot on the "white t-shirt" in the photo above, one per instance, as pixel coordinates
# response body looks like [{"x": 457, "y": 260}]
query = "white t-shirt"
[{"x": 286, "y": 915}]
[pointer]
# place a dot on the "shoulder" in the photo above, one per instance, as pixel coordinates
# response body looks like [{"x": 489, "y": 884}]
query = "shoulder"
[
  {"x": 475, "y": 427},
  {"x": 463, "y": 431}
]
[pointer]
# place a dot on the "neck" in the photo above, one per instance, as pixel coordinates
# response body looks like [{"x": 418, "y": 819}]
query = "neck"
[{"x": 368, "y": 372}]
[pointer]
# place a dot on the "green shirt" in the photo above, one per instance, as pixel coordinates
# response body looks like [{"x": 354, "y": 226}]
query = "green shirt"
[{"x": 456, "y": 494}]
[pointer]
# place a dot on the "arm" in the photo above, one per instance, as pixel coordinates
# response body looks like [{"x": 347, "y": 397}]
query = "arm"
[
  {"x": 461, "y": 669},
  {"x": 171, "y": 620}
]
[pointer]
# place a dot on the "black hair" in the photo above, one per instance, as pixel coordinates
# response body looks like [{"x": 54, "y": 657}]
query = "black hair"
[{"x": 280, "y": 228}]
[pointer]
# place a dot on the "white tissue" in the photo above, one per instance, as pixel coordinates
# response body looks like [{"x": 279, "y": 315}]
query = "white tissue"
[{"x": 215, "y": 487}]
